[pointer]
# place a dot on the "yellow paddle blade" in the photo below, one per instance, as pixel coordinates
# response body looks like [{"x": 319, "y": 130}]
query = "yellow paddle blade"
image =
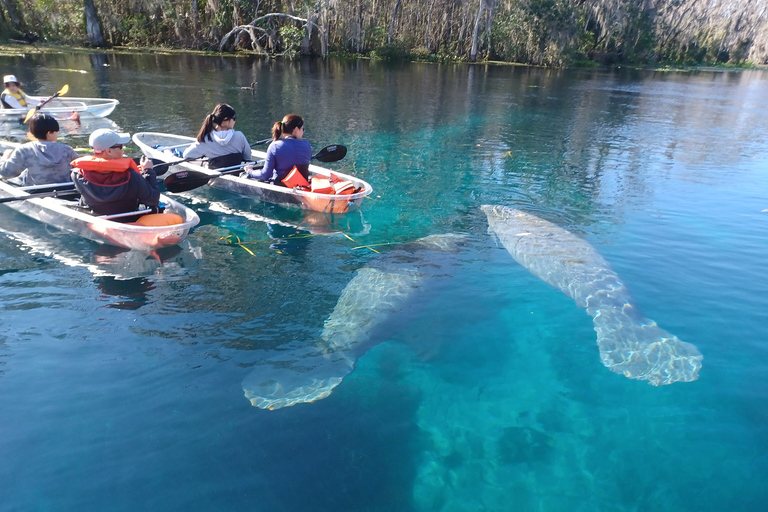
[
  {"x": 61, "y": 91},
  {"x": 29, "y": 114}
]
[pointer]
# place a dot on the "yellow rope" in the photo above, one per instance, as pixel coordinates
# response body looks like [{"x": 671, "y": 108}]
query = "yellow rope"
[{"x": 240, "y": 243}]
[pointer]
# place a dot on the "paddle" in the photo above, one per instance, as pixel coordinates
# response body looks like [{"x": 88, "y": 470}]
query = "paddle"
[
  {"x": 260, "y": 142},
  {"x": 62, "y": 91},
  {"x": 188, "y": 180},
  {"x": 177, "y": 162},
  {"x": 52, "y": 193}
]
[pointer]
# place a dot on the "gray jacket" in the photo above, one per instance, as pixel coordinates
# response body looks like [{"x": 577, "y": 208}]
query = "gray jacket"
[{"x": 45, "y": 162}]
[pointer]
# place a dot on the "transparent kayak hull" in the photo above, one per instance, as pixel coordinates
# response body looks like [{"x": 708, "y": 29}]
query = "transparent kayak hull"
[
  {"x": 63, "y": 214},
  {"x": 63, "y": 107},
  {"x": 152, "y": 144}
]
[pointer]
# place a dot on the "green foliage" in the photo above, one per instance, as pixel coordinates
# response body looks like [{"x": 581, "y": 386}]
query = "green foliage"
[
  {"x": 542, "y": 32},
  {"x": 391, "y": 52},
  {"x": 292, "y": 37}
]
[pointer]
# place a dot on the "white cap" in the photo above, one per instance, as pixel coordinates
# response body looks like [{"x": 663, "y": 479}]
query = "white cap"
[
  {"x": 103, "y": 139},
  {"x": 10, "y": 78}
]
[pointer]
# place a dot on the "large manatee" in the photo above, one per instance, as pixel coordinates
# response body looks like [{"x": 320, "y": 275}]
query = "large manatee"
[
  {"x": 629, "y": 343},
  {"x": 301, "y": 373}
]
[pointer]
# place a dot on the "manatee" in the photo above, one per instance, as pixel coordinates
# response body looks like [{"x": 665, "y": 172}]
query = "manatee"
[
  {"x": 302, "y": 373},
  {"x": 629, "y": 343}
]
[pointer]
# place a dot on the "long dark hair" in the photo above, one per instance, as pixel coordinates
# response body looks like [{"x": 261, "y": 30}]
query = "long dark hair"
[
  {"x": 221, "y": 113},
  {"x": 287, "y": 125}
]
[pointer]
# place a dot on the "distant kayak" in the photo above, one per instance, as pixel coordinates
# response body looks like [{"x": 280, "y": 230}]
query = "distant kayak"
[
  {"x": 63, "y": 108},
  {"x": 158, "y": 146}
]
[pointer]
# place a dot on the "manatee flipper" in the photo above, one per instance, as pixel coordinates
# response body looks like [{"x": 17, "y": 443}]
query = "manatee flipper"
[
  {"x": 373, "y": 297},
  {"x": 629, "y": 343},
  {"x": 295, "y": 376},
  {"x": 311, "y": 373}
]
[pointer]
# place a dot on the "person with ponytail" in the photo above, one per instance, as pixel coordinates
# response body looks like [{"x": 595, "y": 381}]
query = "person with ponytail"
[
  {"x": 217, "y": 138},
  {"x": 287, "y": 150}
]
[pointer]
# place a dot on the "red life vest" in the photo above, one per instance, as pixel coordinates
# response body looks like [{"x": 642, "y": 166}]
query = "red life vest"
[
  {"x": 95, "y": 163},
  {"x": 105, "y": 172}
]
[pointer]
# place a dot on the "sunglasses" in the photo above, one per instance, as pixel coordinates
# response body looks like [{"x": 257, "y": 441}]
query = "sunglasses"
[{"x": 116, "y": 146}]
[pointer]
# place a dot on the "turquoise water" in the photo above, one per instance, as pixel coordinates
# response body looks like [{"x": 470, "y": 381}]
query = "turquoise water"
[{"x": 122, "y": 374}]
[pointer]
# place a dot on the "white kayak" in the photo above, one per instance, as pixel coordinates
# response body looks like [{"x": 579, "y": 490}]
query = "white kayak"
[
  {"x": 63, "y": 212},
  {"x": 160, "y": 145},
  {"x": 63, "y": 107}
]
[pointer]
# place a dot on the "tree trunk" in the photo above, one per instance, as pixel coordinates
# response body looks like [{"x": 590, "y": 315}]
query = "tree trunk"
[
  {"x": 429, "y": 26},
  {"x": 14, "y": 16},
  {"x": 392, "y": 25},
  {"x": 92, "y": 26},
  {"x": 473, "y": 52},
  {"x": 193, "y": 12}
]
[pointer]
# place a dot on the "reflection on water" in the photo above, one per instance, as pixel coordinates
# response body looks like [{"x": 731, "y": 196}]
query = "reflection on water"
[
  {"x": 35, "y": 238},
  {"x": 132, "y": 292},
  {"x": 72, "y": 132}
]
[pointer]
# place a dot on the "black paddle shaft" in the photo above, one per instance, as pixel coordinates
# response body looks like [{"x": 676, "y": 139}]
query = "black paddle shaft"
[{"x": 189, "y": 180}]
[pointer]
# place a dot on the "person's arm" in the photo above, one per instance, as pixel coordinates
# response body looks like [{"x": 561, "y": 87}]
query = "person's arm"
[
  {"x": 265, "y": 173},
  {"x": 72, "y": 154},
  {"x": 196, "y": 150},
  {"x": 146, "y": 187},
  {"x": 246, "y": 148},
  {"x": 13, "y": 165}
]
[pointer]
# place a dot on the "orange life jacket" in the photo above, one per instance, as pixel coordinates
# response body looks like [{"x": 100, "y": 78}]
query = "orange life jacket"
[
  {"x": 295, "y": 179},
  {"x": 95, "y": 163},
  {"x": 321, "y": 185}
]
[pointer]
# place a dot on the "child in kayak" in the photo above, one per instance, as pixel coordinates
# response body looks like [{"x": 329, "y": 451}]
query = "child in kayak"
[
  {"x": 218, "y": 140},
  {"x": 45, "y": 159},
  {"x": 109, "y": 182},
  {"x": 288, "y": 149},
  {"x": 13, "y": 96}
]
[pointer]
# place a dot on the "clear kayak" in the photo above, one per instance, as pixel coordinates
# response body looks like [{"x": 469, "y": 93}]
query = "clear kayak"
[
  {"x": 63, "y": 212},
  {"x": 63, "y": 107},
  {"x": 160, "y": 145}
]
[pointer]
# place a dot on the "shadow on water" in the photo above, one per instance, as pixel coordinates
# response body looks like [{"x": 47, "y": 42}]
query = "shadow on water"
[{"x": 132, "y": 292}]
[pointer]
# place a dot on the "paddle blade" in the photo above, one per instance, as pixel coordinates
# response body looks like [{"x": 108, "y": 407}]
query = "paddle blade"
[
  {"x": 29, "y": 115},
  {"x": 61, "y": 91},
  {"x": 185, "y": 180},
  {"x": 331, "y": 153}
]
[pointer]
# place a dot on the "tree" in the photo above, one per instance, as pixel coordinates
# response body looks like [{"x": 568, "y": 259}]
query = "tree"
[
  {"x": 92, "y": 26},
  {"x": 473, "y": 52}
]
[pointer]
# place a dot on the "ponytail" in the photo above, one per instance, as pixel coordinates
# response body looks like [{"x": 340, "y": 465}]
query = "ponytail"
[
  {"x": 221, "y": 113},
  {"x": 277, "y": 130},
  {"x": 286, "y": 126}
]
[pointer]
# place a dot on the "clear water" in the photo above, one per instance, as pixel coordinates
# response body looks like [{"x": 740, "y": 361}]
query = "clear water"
[{"x": 121, "y": 374}]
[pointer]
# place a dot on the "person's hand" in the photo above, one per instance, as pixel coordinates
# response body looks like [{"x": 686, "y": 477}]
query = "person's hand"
[{"x": 146, "y": 163}]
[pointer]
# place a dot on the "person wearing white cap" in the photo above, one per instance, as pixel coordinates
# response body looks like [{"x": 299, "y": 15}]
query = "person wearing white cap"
[
  {"x": 13, "y": 96},
  {"x": 109, "y": 182}
]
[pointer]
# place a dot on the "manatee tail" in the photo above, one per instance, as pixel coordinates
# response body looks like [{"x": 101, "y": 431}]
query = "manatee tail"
[
  {"x": 642, "y": 350},
  {"x": 295, "y": 377}
]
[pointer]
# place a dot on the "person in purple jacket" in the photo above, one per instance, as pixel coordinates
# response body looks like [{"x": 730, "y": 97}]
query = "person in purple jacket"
[{"x": 287, "y": 150}]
